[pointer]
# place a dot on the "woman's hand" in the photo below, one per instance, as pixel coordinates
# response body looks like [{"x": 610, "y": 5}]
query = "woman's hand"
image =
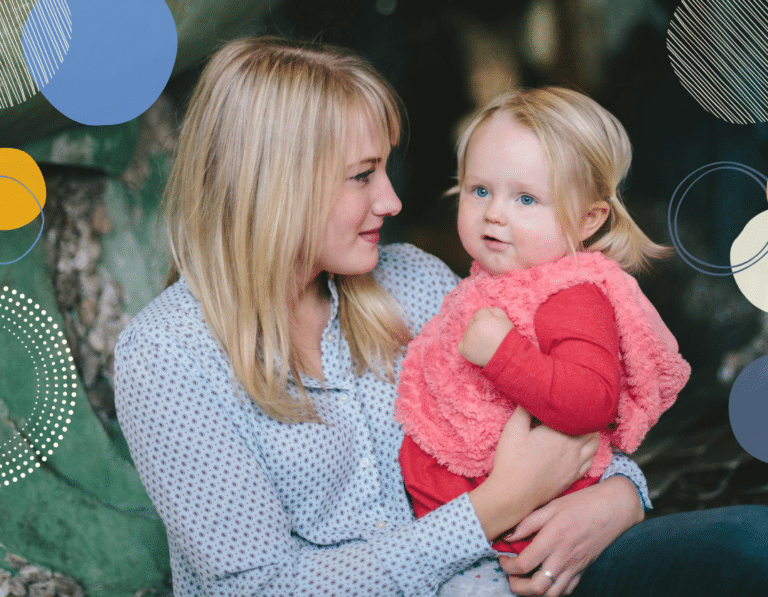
[
  {"x": 484, "y": 334},
  {"x": 571, "y": 532},
  {"x": 531, "y": 467}
]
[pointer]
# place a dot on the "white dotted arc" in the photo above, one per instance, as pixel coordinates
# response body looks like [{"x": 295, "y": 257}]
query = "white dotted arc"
[{"x": 56, "y": 378}]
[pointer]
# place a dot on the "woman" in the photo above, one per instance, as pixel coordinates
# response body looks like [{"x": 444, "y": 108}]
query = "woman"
[{"x": 256, "y": 392}]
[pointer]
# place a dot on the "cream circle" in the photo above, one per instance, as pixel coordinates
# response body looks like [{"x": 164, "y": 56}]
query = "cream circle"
[{"x": 753, "y": 281}]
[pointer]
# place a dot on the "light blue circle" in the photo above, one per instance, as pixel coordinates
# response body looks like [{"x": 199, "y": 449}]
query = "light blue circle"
[
  {"x": 748, "y": 408},
  {"x": 42, "y": 221},
  {"x": 120, "y": 58}
]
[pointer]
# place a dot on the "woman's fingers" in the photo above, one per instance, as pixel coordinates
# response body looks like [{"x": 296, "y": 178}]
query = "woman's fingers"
[
  {"x": 548, "y": 580},
  {"x": 526, "y": 561},
  {"x": 574, "y": 529},
  {"x": 588, "y": 451},
  {"x": 531, "y": 524},
  {"x": 572, "y": 585},
  {"x": 520, "y": 418}
]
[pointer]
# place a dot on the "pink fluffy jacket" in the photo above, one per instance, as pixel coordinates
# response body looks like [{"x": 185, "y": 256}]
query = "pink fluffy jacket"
[{"x": 455, "y": 414}]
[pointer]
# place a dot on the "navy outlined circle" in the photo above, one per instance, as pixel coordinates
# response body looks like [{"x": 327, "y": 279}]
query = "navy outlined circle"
[
  {"x": 672, "y": 220},
  {"x": 42, "y": 223}
]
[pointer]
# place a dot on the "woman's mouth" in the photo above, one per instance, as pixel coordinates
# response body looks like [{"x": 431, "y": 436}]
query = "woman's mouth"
[{"x": 371, "y": 236}]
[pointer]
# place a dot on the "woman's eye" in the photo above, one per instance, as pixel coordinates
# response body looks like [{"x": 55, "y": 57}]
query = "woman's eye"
[
  {"x": 363, "y": 177},
  {"x": 481, "y": 192},
  {"x": 527, "y": 200}
]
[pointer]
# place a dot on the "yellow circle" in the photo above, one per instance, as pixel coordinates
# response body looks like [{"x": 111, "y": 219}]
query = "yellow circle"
[{"x": 17, "y": 207}]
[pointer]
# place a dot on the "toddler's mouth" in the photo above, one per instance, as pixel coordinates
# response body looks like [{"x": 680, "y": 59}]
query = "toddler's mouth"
[{"x": 494, "y": 244}]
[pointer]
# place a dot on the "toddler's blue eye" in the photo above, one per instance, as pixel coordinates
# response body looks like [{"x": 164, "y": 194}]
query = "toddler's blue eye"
[
  {"x": 527, "y": 200},
  {"x": 481, "y": 192}
]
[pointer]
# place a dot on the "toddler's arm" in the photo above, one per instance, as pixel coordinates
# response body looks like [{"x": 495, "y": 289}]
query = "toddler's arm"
[{"x": 571, "y": 381}]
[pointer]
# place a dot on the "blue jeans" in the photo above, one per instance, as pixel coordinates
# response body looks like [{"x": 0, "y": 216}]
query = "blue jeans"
[{"x": 721, "y": 552}]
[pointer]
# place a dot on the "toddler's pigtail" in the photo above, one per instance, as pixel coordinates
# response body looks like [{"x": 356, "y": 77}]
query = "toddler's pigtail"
[{"x": 624, "y": 242}]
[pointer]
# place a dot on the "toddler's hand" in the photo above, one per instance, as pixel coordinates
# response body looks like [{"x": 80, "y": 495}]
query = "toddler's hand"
[{"x": 485, "y": 332}]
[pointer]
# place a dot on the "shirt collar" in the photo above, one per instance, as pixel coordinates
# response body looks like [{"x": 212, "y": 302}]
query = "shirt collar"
[{"x": 334, "y": 297}]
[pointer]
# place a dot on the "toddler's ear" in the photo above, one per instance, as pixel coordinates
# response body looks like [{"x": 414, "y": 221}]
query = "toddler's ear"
[{"x": 593, "y": 219}]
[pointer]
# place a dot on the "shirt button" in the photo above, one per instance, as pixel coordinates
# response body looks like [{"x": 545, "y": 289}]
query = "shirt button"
[
  {"x": 344, "y": 398},
  {"x": 381, "y": 524},
  {"x": 329, "y": 337},
  {"x": 365, "y": 462}
]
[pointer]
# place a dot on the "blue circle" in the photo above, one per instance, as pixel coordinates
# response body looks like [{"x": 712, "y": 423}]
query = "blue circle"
[
  {"x": 42, "y": 221},
  {"x": 120, "y": 58},
  {"x": 748, "y": 408},
  {"x": 727, "y": 270}
]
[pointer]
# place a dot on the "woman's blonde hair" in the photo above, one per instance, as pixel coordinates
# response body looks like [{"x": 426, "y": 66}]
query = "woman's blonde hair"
[
  {"x": 588, "y": 153},
  {"x": 262, "y": 153}
]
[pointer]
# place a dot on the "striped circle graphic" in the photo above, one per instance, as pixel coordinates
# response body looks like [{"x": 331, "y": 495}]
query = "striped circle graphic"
[
  {"x": 50, "y": 28},
  {"x": 719, "y": 51}
]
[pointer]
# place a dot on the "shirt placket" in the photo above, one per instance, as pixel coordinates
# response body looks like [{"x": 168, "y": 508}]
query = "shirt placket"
[{"x": 340, "y": 383}]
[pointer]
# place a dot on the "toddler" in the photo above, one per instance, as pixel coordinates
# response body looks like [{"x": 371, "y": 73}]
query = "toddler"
[{"x": 548, "y": 319}]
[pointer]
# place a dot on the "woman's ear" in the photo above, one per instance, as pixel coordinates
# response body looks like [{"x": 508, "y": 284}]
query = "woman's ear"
[{"x": 593, "y": 219}]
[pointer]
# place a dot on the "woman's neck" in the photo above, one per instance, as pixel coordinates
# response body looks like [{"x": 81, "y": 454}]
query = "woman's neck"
[{"x": 308, "y": 320}]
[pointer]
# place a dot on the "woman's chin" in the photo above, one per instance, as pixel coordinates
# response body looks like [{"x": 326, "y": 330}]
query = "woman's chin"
[{"x": 357, "y": 264}]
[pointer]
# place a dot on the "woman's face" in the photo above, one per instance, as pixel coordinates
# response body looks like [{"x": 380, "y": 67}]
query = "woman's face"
[{"x": 367, "y": 197}]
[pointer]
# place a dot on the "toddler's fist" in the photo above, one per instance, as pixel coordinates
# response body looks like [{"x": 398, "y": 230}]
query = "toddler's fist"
[{"x": 484, "y": 333}]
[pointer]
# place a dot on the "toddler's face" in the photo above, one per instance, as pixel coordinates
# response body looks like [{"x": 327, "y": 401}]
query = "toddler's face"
[{"x": 507, "y": 217}]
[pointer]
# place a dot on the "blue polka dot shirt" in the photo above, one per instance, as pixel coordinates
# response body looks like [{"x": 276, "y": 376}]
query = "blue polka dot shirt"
[{"x": 253, "y": 506}]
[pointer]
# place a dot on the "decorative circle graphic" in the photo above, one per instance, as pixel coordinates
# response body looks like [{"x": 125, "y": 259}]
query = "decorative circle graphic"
[
  {"x": 719, "y": 51},
  {"x": 674, "y": 208},
  {"x": 22, "y": 178},
  {"x": 748, "y": 408},
  {"x": 46, "y": 425},
  {"x": 753, "y": 282},
  {"x": 50, "y": 29},
  {"x": 42, "y": 223},
  {"x": 121, "y": 56}
]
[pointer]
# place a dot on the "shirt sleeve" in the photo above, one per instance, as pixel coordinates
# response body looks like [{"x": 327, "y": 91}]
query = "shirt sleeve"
[
  {"x": 571, "y": 380},
  {"x": 623, "y": 465},
  {"x": 231, "y": 532}
]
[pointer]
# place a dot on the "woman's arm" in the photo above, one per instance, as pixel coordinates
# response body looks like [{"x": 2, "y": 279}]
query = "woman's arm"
[
  {"x": 499, "y": 502},
  {"x": 231, "y": 531}
]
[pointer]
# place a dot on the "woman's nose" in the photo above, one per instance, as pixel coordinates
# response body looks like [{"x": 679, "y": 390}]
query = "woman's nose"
[{"x": 386, "y": 202}]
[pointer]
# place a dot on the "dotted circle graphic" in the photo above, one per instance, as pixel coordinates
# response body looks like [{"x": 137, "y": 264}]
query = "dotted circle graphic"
[
  {"x": 674, "y": 209},
  {"x": 120, "y": 58},
  {"x": 748, "y": 408},
  {"x": 719, "y": 52},
  {"x": 56, "y": 379},
  {"x": 42, "y": 223}
]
